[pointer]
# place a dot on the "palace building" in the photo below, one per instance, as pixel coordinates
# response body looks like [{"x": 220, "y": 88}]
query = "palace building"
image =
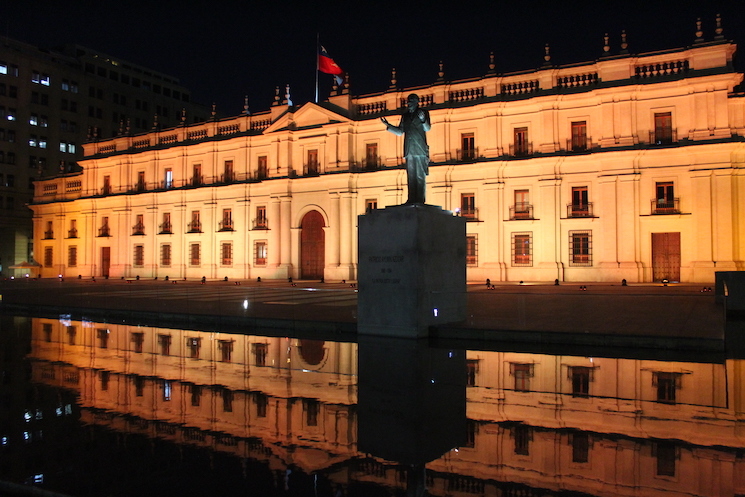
[{"x": 627, "y": 167}]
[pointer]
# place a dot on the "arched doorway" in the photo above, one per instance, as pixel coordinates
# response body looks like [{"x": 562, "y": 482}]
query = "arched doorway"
[{"x": 312, "y": 246}]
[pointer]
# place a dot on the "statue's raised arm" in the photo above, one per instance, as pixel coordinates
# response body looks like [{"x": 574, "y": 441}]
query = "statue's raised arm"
[{"x": 414, "y": 125}]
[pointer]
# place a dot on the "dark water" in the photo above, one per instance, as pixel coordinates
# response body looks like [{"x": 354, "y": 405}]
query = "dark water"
[{"x": 95, "y": 409}]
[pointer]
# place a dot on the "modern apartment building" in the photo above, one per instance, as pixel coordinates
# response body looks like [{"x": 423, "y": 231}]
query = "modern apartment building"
[{"x": 53, "y": 101}]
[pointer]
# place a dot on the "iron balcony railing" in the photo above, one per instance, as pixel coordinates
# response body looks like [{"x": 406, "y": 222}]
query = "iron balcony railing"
[
  {"x": 138, "y": 229},
  {"x": 666, "y": 205},
  {"x": 521, "y": 211},
  {"x": 195, "y": 227},
  {"x": 579, "y": 210}
]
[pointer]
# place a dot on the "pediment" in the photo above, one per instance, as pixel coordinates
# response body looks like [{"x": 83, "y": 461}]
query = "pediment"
[{"x": 308, "y": 116}]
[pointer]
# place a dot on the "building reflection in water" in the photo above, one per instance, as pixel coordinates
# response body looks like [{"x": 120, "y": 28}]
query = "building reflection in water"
[{"x": 289, "y": 415}]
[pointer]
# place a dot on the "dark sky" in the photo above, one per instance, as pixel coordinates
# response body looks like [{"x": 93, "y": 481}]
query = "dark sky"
[{"x": 223, "y": 50}]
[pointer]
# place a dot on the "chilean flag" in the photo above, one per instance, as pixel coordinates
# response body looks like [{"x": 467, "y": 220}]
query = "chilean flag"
[{"x": 327, "y": 65}]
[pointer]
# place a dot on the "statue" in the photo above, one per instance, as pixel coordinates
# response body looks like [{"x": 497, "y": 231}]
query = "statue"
[{"x": 414, "y": 125}]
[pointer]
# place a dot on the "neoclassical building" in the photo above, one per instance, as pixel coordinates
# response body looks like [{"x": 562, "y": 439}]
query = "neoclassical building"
[{"x": 628, "y": 167}]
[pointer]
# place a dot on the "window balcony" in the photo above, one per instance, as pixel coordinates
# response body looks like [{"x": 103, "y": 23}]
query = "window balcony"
[
  {"x": 49, "y": 235},
  {"x": 106, "y": 190},
  {"x": 311, "y": 169},
  {"x": 467, "y": 154},
  {"x": 104, "y": 231},
  {"x": 470, "y": 214},
  {"x": 663, "y": 136},
  {"x": 521, "y": 149},
  {"x": 140, "y": 187},
  {"x": 579, "y": 145},
  {"x": 197, "y": 180},
  {"x": 166, "y": 229},
  {"x": 666, "y": 205},
  {"x": 228, "y": 178},
  {"x": 521, "y": 211},
  {"x": 260, "y": 223},
  {"x": 579, "y": 210},
  {"x": 226, "y": 225},
  {"x": 195, "y": 227},
  {"x": 73, "y": 233},
  {"x": 138, "y": 229}
]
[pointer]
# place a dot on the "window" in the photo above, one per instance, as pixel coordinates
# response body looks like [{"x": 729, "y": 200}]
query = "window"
[
  {"x": 104, "y": 376},
  {"x": 522, "y": 373},
  {"x": 196, "y": 178},
  {"x": 11, "y": 114},
  {"x": 165, "y": 226},
  {"x": 227, "y": 400},
  {"x": 472, "y": 369},
  {"x": 164, "y": 342},
  {"x": 104, "y": 229},
  {"x": 521, "y": 146},
  {"x": 73, "y": 231},
  {"x": 312, "y": 408},
  {"x": 468, "y": 146},
  {"x": 139, "y": 227},
  {"x": 663, "y": 128},
  {"x": 226, "y": 253},
  {"x": 260, "y": 351},
  {"x": 471, "y": 250},
  {"x": 665, "y": 201},
  {"x": 579, "y": 207},
  {"x": 71, "y": 332},
  {"x": 227, "y": 220},
  {"x": 49, "y": 233},
  {"x": 580, "y": 248},
  {"x": 228, "y": 174},
  {"x": 47, "y": 327},
  {"x": 522, "y": 434},
  {"x": 139, "y": 382},
  {"x": 167, "y": 388},
  {"x": 579, "y": 136},
  {"x": 48, "y": 259},
  {"x": 580, "y": 377},
  {"x": 371, "y": 204},
  {"x": 468, "y": 206},
  {"x": 165, "y": 255},
  {"x": 103, "y": 338},
  {"x": 72, "y": 256},
  {"x": 521, "y": 249},
  {"x": 580, "y": 447},
  {"x": 106, "y": 190},
  {"x": 33, "y": 120},
  {"x": 260, "y": 221},
  {"x": 260, "y": 251},
  {"x": 522, "y": 208},
  {"x": 195, "y": 226},
  {"x": 226, "y": 350},
  {"x": 666, "y": 454},
  {"x": 667, "y": 385},
  {"x": 371, "y": 156},
  {"x": 262, "y": 171},
  {"x": 261, "y": 401},
  {"x": 138, "y": 259},
  {"x": 195, "y": 391},
  {"x": 194, "y": 254},
  {"x": 138, "y": 339},
  {"x": 193, "y": 345},
  {"x": 140, "y": 186},
  {"x": 311, "y": 167},
  {"x": 168, "y": 181}
]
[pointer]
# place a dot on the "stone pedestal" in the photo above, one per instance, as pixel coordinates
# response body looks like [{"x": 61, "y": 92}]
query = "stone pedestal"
[{"x": 411, "y": 271}]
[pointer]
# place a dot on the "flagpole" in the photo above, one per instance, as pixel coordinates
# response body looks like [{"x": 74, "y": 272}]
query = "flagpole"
[{"x": 316, "y": 54}]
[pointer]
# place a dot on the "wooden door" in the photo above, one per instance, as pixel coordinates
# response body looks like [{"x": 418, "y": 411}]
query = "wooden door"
[
  {"x": 666, "y": 256},
  {"x": 312, "y": 246},
  {"x": 105, "y": 261}
]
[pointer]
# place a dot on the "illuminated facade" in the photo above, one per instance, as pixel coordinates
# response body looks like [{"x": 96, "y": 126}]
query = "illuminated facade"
[
  {"x": 628, "y": 167},
  {"x": 596, "y": 426}
]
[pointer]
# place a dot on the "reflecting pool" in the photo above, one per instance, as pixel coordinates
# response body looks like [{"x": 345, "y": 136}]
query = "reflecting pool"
[{"x": 101, "y": 409}]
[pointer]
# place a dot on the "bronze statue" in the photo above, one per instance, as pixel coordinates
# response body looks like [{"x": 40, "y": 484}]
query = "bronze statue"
[{"x": 414, "y": 126}]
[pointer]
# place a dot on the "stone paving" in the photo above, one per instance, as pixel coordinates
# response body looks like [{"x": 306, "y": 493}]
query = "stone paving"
[{"x": 602, "y": 309}]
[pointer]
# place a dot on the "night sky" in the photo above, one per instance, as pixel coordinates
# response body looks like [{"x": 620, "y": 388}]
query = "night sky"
[{"x": 223, "y": 50}]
